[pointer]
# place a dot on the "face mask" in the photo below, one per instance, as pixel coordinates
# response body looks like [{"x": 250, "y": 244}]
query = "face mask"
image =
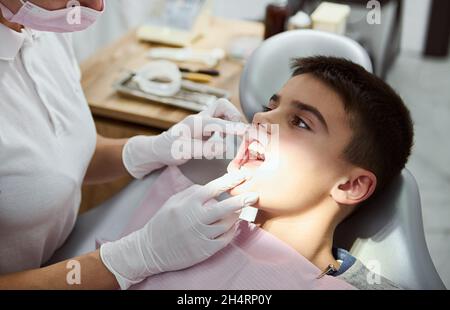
[{"x": 72, "y": 18}]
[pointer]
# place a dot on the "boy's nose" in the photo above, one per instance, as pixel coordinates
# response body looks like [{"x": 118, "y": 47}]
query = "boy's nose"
[
  {"x": 261, "y": 122},
  {"x": 258, "y": 118}
]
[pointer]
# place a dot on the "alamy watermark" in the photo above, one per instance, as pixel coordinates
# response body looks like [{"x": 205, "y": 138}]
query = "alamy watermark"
[
  {"x": 73, "y": 277},
  {"x": 374, "y": 15},
  {"x": 74, "y": 15},
  {"x": 373, "y": 276}
]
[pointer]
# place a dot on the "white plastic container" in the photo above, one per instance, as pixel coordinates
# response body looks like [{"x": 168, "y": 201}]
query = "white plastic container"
[
  {"x": 301, "y": 20},
  {"x": 331, "y": 17}
]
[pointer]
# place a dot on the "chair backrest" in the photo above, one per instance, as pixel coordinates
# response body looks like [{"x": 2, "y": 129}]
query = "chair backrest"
[
  {"x": 386, "y": 234},
  {"x": 268, "y": 69}
]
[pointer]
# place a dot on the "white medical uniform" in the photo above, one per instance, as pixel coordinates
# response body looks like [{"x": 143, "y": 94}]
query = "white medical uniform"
[{"x": 47, "y": 139}]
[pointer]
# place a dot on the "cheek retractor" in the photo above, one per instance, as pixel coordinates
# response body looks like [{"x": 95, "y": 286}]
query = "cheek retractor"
[
  {"x": 248, "y": 214},
  {"x": 255, "y": 151}
]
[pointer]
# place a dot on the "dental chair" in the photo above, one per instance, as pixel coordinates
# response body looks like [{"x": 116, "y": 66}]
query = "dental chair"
[{"x": 388, "y": 236}]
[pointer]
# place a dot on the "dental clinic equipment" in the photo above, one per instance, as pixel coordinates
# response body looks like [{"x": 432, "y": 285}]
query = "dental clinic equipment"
[
  {"x": 242, "y": 47},
  {"x": 301, "y": 20},
  {"x": 175, "y": 22},
  {"x": 161, "y": 78},
  {"x": 211, "y": 72},
  {"x": 197, "y": 77},
  {"x": 331, "y": 17},
  {"x": 204, "y": 89},
  {"x": 248, "y": 214},
  {"x": 207, "y": 57},
  {"x": 161, "y": 81},
  {"x": 256, "y": 151}
]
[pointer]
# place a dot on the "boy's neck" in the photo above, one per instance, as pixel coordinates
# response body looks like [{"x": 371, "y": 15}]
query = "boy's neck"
[{"x": 310, "y": 233}]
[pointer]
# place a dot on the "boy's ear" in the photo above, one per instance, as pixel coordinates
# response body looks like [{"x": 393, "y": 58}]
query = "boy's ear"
[{"x": 356, "y": 188}]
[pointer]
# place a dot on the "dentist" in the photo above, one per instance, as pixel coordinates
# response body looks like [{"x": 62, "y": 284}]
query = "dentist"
[{"x": 49, "y": 148}]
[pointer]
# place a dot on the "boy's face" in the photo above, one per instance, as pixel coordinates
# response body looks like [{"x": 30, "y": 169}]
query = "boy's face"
[{"x": 308, "y": 162}]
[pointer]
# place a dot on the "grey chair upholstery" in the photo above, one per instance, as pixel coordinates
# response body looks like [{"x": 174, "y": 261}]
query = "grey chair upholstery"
[{"x": 387, "y": 233}]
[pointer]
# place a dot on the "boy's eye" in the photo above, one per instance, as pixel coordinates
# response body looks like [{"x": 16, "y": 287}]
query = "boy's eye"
[
  {"x": 267, "y": 109},
  {"x": 299, "y": 122}
]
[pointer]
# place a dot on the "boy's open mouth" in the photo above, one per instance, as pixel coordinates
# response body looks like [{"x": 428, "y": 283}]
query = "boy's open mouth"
[
  {"x": 251, "y": 155},
  {"x": 254, "y": 152},
  {"x": 254, "y": 155}
]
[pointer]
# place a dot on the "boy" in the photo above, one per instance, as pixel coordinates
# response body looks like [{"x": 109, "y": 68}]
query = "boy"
[{"x": 344, "y": 135}]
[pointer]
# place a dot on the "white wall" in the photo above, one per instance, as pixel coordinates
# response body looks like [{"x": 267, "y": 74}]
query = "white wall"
[
  {"x": 119, "y": 17},
  {"x": 242, "y": 9}
]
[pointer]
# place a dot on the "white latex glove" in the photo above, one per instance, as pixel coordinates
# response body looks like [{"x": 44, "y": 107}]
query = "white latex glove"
[
  {"x": 143, "y": 154},
  {"x": 190, "y": 227}
]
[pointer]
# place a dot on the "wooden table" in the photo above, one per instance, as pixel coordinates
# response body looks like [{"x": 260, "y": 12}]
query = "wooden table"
[
  {"x": 121, "y": 117},
  {"x": 106, "y": 66}
]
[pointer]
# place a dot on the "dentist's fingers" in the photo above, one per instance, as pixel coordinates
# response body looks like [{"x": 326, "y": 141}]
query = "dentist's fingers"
[
  {"x": 208, "y": 149},
  {"x": 235, "y": 164},
  {"x": 219, "y": 228},
  {"x": 224, "y": 109},
  {"x": 226, "y": 238},
  {"x": 212, "y": 125},
  {"x": 187, "y": 192},
  {"x": 198, "y": 126},
  {"x": 214, "y": 146},
  {"x": 220, "y": 185},
  {"x": 227, "y": 207},
  {"x": 187, "y": 148}
]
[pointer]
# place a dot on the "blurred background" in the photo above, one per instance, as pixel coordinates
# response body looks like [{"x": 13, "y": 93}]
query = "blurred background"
[{"x": 409, "y": 49}]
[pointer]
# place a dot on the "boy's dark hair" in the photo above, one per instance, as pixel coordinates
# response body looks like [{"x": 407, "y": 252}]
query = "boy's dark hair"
[{"x": 382, "y": 126}]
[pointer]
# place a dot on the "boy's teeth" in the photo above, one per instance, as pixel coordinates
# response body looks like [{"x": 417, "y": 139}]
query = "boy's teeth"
[
  {"x": 256, "y": 148},
  {"x": 256, "y": 151}
]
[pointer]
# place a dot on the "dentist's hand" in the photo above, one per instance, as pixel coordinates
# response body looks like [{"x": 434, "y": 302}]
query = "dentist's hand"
[
  {"x": 142, "y": 154},
  {"x": 189, "y": 228}
]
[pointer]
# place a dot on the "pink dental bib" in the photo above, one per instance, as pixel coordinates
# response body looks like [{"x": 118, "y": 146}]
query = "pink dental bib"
[{"x": 255, "y": 260}]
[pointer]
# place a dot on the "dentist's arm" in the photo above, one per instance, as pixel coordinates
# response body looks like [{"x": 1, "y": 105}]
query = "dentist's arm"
[
  {"x": 189, "y": 228},
  {"x": 93, "y": 275},
  {"x": 106, "y": 165}
]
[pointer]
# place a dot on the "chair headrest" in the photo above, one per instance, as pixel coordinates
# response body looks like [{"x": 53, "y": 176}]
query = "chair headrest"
[{"x": 268, "y": 69}]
